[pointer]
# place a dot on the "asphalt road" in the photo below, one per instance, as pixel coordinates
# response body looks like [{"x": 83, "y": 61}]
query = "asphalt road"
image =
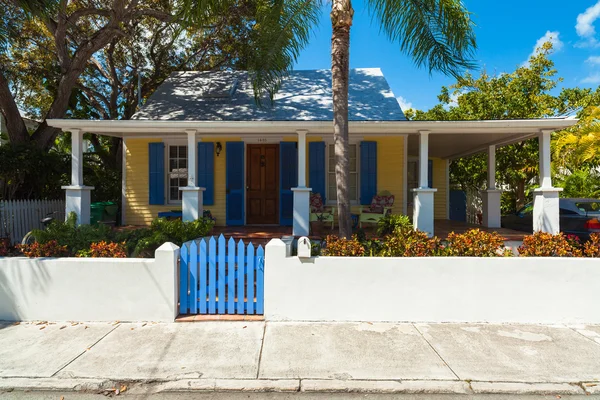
[{"x": 275, "y": 396}]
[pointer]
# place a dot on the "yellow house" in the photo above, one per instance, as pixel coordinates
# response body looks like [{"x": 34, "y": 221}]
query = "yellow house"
[{"x": 203, "y": 142}]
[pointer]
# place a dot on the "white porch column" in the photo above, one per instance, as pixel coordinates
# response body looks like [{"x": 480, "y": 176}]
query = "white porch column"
[
  {"x": 78, "y": 196},
  {"x": 423, "y": 196},
  {"x": 301, "y": 224},
  {"x": 491, "y": 196},
  {"x": 546, "y": 201},
  {"x": 191, "y": 196}
]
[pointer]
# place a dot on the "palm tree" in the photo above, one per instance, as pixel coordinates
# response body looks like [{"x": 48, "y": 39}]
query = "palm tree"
[
  {"x": 579, "y": 146},
  {"x": 434, "y": 33}
]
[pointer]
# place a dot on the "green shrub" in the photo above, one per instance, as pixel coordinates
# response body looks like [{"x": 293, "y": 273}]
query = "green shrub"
[
  {"x": 340, "y": 247},
  {"x": 372, "y": 247},
  {"x": 176, "y": 231},
  {"x": 131, "y": 237},
  {"x": 75, "y": 238},
  {"x": 411, "y": 243},
  {"x": 542, "y": 244},
  {"x": 475, "y": 243},
  {"x": 393, "y": 222}
]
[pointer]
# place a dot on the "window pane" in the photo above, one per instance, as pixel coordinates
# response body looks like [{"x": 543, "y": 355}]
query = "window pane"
[
  {"x": 332, "y": 195},
  {"x": 352, "y": 164},
  {"x": 174, "y": 191},
  {"x": 183, "y": 151},
  {"x": 172, "y": 151},
  {"x": 183, "y": 163},
  {"x": 331, "y": 150},
  {"x": 172, "y": 164},
  {"x": 353, "y": 151},
  {"x": 352, "y": 189}
]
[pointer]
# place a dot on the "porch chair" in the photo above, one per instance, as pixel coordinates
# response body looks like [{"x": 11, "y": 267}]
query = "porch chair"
[
  {"x": 318, "y": 211},
  {"x": 381, "y": 205}
]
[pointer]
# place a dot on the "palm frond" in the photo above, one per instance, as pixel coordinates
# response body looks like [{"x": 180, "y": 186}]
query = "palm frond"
[
  {"x": 437, "y": 34},
  {"x": 280, "y": 30}
]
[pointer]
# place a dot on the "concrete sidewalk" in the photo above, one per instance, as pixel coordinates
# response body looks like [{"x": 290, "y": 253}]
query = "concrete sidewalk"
[{"x": 300, "y": 356}]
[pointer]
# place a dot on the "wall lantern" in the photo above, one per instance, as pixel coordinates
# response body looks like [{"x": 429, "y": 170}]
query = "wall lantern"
[{"x": 219, "y": 148}]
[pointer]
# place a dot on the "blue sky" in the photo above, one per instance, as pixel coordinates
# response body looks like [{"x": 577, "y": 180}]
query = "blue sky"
[{"x": 507, "y": 33}]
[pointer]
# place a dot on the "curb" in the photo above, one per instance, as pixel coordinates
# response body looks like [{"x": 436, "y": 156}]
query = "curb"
[
  {"x": 52, "y": 384},
  {"x": 300, "y": 385}
]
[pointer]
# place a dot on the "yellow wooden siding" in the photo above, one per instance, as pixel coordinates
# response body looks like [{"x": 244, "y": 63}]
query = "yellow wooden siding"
[
  {"x": 440, "y": 209},
  {"x": 390, "y": 162}
]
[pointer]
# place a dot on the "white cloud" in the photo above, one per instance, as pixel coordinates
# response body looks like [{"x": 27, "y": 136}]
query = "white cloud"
[
  {"x": 585, "y": 25},
  {"x": 592, "y": 79},
  {"x": 594, "y": 60},
  {"x": 550, "y": 36},
  {"x": 404, "y": 104}
]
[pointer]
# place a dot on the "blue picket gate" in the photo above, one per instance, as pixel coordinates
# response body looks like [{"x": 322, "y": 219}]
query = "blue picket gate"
[{"x": 221, "y": 277}]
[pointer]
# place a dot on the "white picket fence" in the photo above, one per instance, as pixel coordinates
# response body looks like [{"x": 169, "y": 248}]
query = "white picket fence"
[{"x": 17, "y": 217}]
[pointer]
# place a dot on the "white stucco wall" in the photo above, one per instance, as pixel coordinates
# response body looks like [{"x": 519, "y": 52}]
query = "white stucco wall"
[
  {"x": 90, "y": 289},
  {"x": 496, "y": 290}
]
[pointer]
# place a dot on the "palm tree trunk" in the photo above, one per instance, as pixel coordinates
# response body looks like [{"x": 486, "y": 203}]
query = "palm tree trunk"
[{"x": 341, "y": 21}]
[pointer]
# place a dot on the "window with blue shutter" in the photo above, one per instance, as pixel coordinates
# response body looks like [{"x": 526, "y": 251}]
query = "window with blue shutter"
[
  {"x": 288, "y": 179},
  {"x": 316, "y": 168},
  {"x": 156, "y": 177},
  {"x": 206, "y": 171},
  {"x": 368, "y": 171}
]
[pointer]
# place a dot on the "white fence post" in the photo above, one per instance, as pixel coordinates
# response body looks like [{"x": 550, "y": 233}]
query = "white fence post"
[
  {"x": 17, "y": 217},
  {"x": 166, "y": 258},
  {"x": 275, "y": 256}
]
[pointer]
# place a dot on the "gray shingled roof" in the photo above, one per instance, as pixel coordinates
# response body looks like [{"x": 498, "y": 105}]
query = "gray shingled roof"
[{"x": 304, "y": 96}]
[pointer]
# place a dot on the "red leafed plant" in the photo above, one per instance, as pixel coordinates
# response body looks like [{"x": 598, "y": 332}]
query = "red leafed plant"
[
  {"x": 3, "y": 248},
  {"x": 105, "y": 250},
  {"x": 591, "y": 248},
  {"x": 542, "y": 244},
  {"x": 475, "y": 243},
  {"x": 48, "y": 249},
  {"x": 343, "y": 247},
  {"x": 411, "y": 243}
]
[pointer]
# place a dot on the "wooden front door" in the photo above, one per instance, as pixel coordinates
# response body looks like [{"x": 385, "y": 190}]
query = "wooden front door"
[{"x": 262, "y": 184}]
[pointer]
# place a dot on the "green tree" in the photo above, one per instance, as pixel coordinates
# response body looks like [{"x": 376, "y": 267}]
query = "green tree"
[
  {"x": 579, "y": 146},
  {"x": 525, "y": 93},
  {"x": 47, "y": 56}
]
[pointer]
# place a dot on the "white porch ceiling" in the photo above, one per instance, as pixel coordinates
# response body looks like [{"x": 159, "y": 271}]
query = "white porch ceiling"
[{"x": 448, "y": 139}]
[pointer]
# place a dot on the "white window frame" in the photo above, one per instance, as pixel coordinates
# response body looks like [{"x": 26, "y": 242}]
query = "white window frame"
[
  {"x": 351, "y": 142},
  {"x": 168, "y": 144}
]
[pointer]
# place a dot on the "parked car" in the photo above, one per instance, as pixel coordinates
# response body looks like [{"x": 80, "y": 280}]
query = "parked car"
[{"x": 578, "y": 217}]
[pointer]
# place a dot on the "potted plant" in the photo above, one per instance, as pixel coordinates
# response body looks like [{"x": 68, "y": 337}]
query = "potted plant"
[{"x": 317, "y": 226}]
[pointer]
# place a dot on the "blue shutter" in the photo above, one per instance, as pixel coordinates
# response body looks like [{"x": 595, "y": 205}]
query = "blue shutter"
[
  {"x": 234, "y": 183},
  {"x": 430, "y": 174},
  {"x": 316, "y": 168},
  {"x": 206, "y": 171},
  {"x": 156, "y": 177},
  {"x": 368, "y": 171},
  {"x": 288, "y": 178}
]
